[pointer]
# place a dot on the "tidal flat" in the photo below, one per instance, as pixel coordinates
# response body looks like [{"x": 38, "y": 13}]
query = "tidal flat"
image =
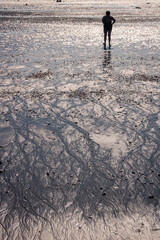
[{"x": 79, "y": 124}]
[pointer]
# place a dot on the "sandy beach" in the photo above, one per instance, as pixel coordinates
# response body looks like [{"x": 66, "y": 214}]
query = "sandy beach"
[{"x": 79, "y": 124}]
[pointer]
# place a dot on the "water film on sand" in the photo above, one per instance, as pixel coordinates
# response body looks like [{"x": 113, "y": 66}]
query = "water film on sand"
[{"x": 79, "y": 129}]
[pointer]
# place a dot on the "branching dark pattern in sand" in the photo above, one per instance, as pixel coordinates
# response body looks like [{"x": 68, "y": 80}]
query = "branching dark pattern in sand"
[{"x": 51, "y": 165}]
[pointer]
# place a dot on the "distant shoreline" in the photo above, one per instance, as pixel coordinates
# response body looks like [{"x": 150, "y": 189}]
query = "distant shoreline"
[
  {"x": 47, "y": 18},
  {"x": 79, "y": 11}
]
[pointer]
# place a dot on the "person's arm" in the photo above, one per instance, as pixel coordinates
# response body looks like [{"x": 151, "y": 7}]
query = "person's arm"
[{"x": 113, "y": 20}]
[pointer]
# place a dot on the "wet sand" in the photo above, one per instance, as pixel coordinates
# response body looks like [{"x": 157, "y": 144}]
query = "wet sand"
[{"x": 80, "y": 124}]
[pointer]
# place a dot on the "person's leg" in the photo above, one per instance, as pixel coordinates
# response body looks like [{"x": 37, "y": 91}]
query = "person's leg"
[
  {"x": 109, "y": 38},
  {"x": 105, "y": 36}
]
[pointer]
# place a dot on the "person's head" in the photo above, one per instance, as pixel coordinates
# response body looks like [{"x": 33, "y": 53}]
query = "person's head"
[{"x": 108, "y": 13}]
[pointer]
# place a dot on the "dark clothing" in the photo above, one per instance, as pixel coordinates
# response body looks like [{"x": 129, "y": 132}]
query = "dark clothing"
[
  {"x": 107, "y": 27},
  {"x": 107, "y": 22}
]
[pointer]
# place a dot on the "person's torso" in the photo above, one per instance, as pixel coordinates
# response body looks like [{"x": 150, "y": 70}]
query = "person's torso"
[{"x": 107, "y": 20}]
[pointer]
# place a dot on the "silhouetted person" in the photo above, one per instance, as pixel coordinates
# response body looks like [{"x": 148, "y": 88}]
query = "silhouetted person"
[{"x": 108, "y": 21}]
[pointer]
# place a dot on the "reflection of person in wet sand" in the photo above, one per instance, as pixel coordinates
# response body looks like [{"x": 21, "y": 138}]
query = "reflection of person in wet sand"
[
  {"x": 107, "y": 59},
  {"x": 108, "y": 21}
]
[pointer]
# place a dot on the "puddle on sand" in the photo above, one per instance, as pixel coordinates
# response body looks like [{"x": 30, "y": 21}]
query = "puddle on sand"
[
  {"x": 113, "y": 142},
  {"x": 6, "y": 135}
]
